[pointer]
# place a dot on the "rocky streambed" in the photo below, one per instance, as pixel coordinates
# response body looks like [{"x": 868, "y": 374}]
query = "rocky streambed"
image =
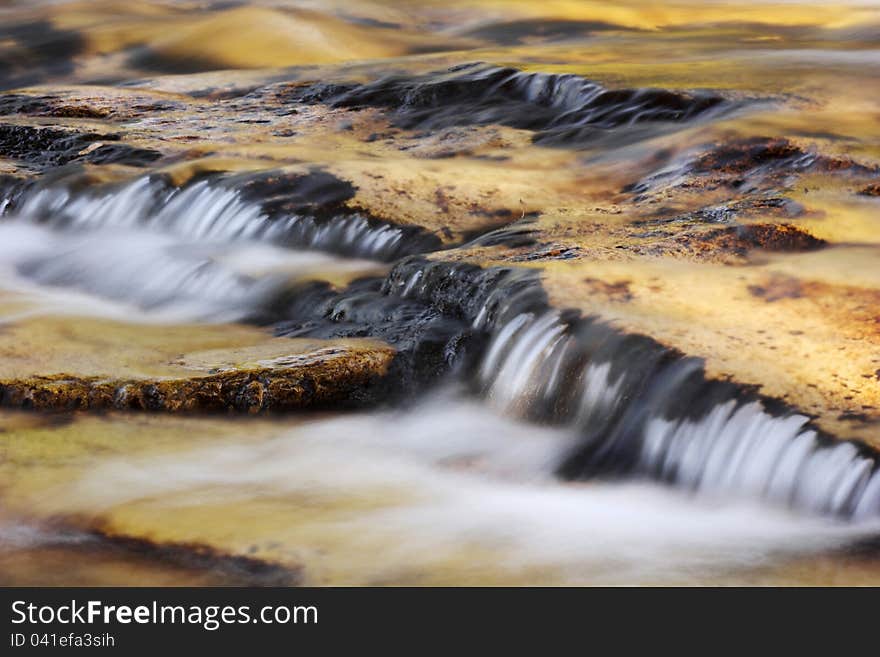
[{"x": 494, "y": 299}]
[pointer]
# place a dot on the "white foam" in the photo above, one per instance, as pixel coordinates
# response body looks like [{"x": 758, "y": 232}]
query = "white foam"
[
  {"x": 458, "y": 479},
  {"x": 138, "y": 275},
  {"x": 743, "y": 452},
  {"x": 206, "y": 211}
]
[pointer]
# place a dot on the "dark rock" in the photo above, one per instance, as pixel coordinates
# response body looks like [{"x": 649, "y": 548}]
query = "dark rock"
[
  {"x": 561, "y": 109},
  {"x": 770, "y": 237},
  {"x": 49, "y": 147}
]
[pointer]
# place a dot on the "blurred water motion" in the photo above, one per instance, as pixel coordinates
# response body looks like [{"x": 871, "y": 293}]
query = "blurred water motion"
[{"x": 445, "y": 491}]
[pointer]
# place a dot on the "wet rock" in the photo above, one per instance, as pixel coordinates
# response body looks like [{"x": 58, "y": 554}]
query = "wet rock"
[
  {"x": 550, "y": 252},
  {"x": 98, "y": 550},
  {"x": 429, "y": 344},
  {"x": 761, "y": 207},
  {"x": 436, "y": 314},
  {"x": 36, "y": 105},
  {"x": 317, "y": 192},
  {"x": 741, "y": 156},
  {"x": 466, "y": 290},
  {"x": 769, "y": 237},
  {"x": 320, "y": 200},
  {"x": 48, "y": 147},
  {"x": 744, "y": 159},
  {"x": 560, "y": 109}
]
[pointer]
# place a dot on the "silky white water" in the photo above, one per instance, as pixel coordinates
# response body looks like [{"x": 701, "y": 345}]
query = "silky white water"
[
  {"x": 191, "y": 255},
  {"x": 142, "y": 275},
  {"x": 446, "y": 480},
  {"x": 736, "y": 449},
  {"x": 204, "y": 211},
  {"x": 449, "y": 480}
]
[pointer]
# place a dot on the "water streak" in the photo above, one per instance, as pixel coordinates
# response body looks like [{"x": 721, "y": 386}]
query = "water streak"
[
  {"x": 209, "y": 210},
  {"x": 450, "y": 482},
  {"x": 136, "y": 274},
  {"x": 537, "y": 366}
]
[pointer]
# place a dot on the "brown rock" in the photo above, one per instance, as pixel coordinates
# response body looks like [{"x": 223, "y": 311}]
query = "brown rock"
[{"x": 134, "y": 368}]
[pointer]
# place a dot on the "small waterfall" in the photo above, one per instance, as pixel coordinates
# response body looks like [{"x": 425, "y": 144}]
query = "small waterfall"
[
  {"x": 525, "y": 350},
  {"x": 190, "y": 252},
  {"x": 126, "y": 207},
  {"x": 746, "y": 451},
  {"x": 562, "y": 109},
  {"x": 212, "y": 210},
  {"x": 654, "y": 414},
  {"x": 639, "y": 408},
  {"x": 350, "y": 235}
]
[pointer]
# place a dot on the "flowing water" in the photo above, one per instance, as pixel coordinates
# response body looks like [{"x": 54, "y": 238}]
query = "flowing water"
[{"x": 521, "y": 441}]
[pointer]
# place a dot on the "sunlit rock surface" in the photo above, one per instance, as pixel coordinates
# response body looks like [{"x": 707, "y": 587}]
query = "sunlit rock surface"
[{"x": 70, "y": 365}]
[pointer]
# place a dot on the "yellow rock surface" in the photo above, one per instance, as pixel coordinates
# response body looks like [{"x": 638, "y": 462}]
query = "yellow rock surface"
[{"x": 71, "y": 363}]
